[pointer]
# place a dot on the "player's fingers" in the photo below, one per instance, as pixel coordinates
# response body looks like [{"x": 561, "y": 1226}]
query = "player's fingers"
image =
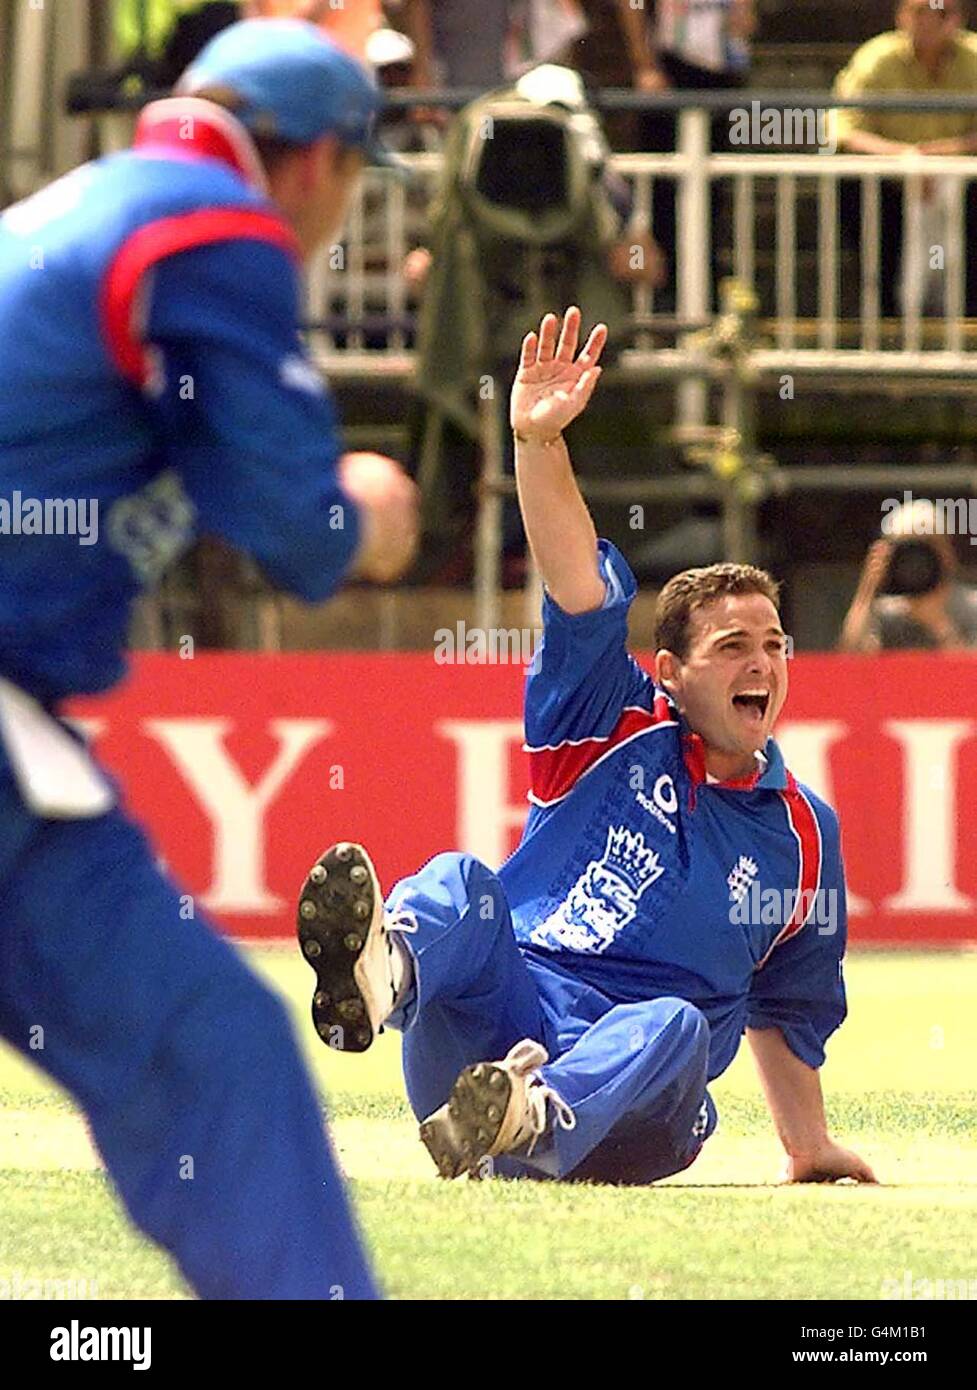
[
  {"x": 585, "y": 386},
  {"x": 594, "y": 345},
  {"x": 569, "y": 335},
  {"x": 527, "y": 357},
  {"x": 547, "y": 338}
]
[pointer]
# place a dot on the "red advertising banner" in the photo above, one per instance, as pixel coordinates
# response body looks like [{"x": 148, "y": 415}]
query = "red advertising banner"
[{"x": 244, "y": 767}]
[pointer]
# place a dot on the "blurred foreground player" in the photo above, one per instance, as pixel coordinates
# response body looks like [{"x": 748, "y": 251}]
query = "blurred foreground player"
[
  {"x": 674, "y": 885},
  {"x": 152, "y": 370}
]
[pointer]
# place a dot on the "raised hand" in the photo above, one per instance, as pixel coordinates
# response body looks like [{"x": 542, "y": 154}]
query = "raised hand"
[{"x": 553, "y": 384}]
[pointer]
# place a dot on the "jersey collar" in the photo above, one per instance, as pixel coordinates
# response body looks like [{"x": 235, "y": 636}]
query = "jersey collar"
[
  {"x": 193, "y": 128},
  {"x": 770, "y": 773}
]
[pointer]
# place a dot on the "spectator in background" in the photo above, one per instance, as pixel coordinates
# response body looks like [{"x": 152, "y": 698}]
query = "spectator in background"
[
  {"x": 458, "y": 43},
  {"x": 696, "y": 45},
  {"x": 927, "y": 52},
  {"x": 158, "y": 39},
  {"x": 358, "y": 26},
  {"x": 909, "y": 595},
  {"x": 689, "y": 43},
  {"x": 481, "y": 44}
]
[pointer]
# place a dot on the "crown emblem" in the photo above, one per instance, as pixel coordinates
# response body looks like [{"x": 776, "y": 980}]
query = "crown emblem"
[
  {"x": 605, "y": 897},
  {"x": 632, "y": 861}
]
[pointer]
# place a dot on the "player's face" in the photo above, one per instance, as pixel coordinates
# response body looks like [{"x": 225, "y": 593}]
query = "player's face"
[{"x": 732, "y": 683}]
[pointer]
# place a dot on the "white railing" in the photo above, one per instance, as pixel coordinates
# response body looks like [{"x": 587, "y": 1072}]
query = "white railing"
[{"x": 804, "y": 331}]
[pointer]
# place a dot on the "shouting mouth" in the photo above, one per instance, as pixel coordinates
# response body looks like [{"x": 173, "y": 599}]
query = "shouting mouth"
[{"x": 751, "y": 706}]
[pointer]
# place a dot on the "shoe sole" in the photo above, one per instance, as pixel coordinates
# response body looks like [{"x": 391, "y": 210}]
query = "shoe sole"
[
  {"x": 465, "y": 1131},
  {"x": 336, "y": 911}
]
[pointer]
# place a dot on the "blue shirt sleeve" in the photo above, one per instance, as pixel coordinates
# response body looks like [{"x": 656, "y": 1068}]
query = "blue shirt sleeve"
[
  {"x": 582, "y": 676},
  {"x": 801, "y": 988},
  {"x": 248, "y": 424}
]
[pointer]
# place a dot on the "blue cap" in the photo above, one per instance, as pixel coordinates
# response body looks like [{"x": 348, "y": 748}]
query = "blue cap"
[{"x": 293, "y": 83}]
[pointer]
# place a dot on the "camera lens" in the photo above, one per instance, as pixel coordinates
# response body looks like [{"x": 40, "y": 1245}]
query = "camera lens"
[{"x": 915, "y": 568}]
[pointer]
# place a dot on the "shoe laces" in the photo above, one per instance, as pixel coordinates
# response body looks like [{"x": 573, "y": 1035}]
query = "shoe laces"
[
  {"x": 537, "y": 1095},
  {"x": 525, "y": 1059},
  {"x": 400, "y": 918}
]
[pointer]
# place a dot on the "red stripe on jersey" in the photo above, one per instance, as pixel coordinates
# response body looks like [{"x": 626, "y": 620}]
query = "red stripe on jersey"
[
  {"x": 554, "y": 771},
  {"x": 192, "y": 128},
  {"x": 153, "y": 243},
  {"x": 804, "y": 825}
]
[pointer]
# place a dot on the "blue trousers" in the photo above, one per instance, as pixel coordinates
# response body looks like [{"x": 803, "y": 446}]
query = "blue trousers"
[
  {"x": 634, "y": 1073},
  {"x": 184, "y": 1063}
]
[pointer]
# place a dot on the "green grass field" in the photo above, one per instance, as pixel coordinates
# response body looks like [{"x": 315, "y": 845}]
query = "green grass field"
[{"x": 901, "y": 1086}]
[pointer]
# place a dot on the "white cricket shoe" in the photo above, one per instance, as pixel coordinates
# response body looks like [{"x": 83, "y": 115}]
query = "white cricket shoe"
[
  {"x": 344, "y": 935},
  {"x": 494, "y": 1108}
]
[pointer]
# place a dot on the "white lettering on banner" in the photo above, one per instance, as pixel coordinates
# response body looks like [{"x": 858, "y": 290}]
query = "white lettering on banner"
[
  {"x": 235, "y": 807},
  {"x": 805, "y": 745},
  {"x": 485, "y": 814},
  {"x": 929, "y": 802}
]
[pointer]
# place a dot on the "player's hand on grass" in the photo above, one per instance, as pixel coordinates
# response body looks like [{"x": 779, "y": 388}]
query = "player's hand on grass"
[
  {"x": 388, "y": 504},
  {"x": 829, "y": 1164},
  {"x": 553, "y": 383}
]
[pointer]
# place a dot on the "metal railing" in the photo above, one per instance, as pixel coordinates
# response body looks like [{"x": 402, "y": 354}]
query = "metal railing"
[
  {"x": 766, "y": 337},
  {"x": 770, "y": 197}
]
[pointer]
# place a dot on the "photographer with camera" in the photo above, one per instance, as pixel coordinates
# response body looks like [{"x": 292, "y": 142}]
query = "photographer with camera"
[{"x": 908, "y": 594}]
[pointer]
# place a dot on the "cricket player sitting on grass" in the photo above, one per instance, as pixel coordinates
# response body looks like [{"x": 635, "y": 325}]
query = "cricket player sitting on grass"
[
  {"x": 151, "y": 363},
  {"x": 564, "y": 1016}
]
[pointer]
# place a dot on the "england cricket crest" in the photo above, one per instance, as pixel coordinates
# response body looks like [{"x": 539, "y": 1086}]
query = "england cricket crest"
[{"x": 605, "y": 897}]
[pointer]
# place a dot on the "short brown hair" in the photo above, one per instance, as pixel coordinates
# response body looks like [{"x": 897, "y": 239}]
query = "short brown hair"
[{"x": 692, "y": 588}]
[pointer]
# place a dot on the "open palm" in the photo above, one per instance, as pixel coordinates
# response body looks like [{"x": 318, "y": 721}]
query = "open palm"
[{"x": 553, "y": 385}]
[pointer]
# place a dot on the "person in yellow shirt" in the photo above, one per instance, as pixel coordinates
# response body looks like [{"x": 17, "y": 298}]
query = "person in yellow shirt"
[{"x": 929, "y": 51}]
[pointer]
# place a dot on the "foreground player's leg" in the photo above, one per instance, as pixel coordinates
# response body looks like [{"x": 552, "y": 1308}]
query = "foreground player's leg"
[{"x": 184, "y": 1062}]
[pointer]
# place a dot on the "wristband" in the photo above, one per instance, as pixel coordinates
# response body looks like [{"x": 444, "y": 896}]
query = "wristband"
[{"x": 546, "y": 443}]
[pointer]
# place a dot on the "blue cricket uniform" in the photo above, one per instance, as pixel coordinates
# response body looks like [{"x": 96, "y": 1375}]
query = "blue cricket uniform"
[
  {"x": 151, "y": 364},
  {"x": 648, "y": 916}
]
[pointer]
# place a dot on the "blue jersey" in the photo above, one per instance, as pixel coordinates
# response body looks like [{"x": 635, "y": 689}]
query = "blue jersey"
[
  {"x": 642, "y": 876},
  {"x": 154, "y": 386}
]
